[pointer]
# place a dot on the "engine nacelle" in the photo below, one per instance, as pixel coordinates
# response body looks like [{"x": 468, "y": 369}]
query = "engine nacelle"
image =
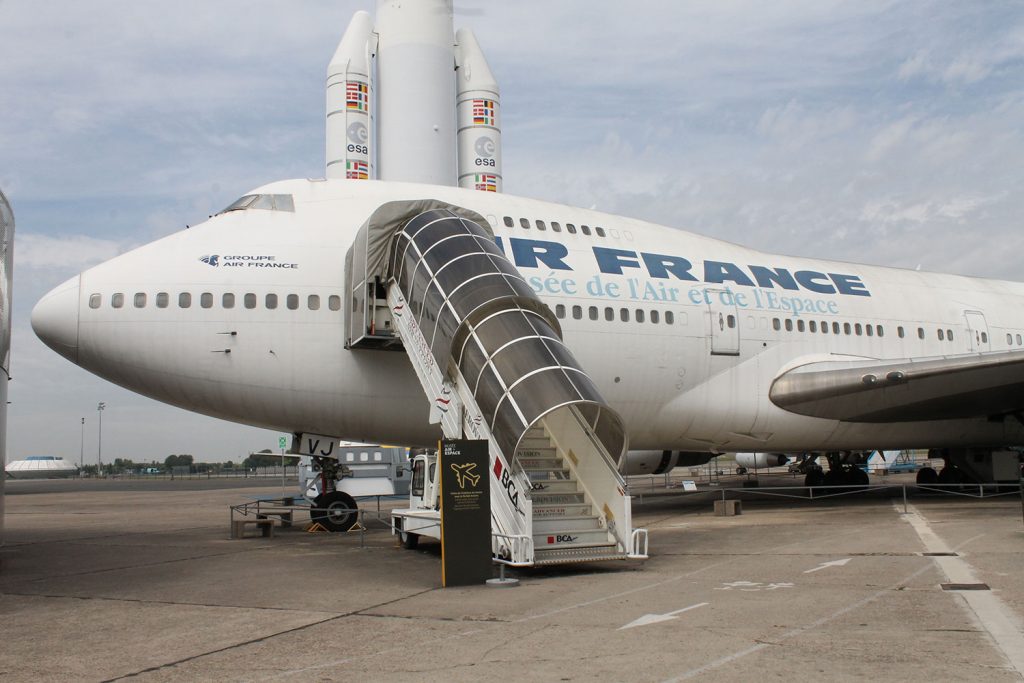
[
  {"x": 659, "y": 462},
  {"x": 759, "y": 461}
]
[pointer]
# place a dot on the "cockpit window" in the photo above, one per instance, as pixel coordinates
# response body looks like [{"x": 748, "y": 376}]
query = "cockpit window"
[{"x": 267, "y": 202}]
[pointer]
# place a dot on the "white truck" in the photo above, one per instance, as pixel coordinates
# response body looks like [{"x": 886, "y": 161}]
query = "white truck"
[{"x": 423, "y": 516}]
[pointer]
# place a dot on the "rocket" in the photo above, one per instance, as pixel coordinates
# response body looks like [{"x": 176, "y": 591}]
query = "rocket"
[{"x": 409, "y": 99}]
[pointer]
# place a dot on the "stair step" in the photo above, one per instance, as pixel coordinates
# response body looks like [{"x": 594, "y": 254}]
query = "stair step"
[
  {"x": 541, "y": 463},
  {"x": 555, "y": 486},
  {"x": 551, "y": 524},
  {"x": 591, "y": 553},
  {"x": 528, "y": 442},
  {"x": 553, "y": 498},
  {"x": 570, "y": 537},
  {"x": 542, "y": 509},
  {"x": 549, "y": 475}
]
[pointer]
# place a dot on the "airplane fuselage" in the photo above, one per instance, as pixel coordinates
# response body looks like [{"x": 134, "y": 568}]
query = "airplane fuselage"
[{"x": 242, "y": 317}]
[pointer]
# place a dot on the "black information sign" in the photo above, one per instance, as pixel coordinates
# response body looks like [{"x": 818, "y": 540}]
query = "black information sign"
[{"x": 465, "y": 513}]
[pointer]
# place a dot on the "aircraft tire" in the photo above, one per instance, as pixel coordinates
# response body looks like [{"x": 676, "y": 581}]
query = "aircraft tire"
[
  {"x": 858, "y": 477},
  {"x": 814, "y": 478},
  {"x": 337, "y": 511},
  {"x": 835, "y": 478},
  {"x": 927, "y": 475}
]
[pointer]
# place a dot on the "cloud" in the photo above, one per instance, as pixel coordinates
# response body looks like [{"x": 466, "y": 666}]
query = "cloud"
[{"x": 69, "y": 252}]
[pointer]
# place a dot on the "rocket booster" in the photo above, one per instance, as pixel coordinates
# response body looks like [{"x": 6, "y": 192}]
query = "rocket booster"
[
  {"x": 407, "y": 101},
  {"x": 479, "y": 112},
  {"x": 350, "y": 103}
]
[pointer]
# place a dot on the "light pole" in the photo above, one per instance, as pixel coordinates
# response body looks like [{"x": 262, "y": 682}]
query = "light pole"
[
  {"x": 81, "y": 452},
  {"x": 99, "y": 444}
]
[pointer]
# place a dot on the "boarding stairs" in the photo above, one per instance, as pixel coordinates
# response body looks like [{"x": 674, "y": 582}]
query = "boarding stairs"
[{"x": 489, "y": 357}]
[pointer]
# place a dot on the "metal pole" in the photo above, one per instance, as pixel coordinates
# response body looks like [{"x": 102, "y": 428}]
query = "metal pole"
[
  {"x": 99, "y": 443},
  {"x": 904, "y": 499},
  {"x": 81, "y": 452}
]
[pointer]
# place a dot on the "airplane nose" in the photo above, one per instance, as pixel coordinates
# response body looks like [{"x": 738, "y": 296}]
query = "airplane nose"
[{"x": 55, "y": 319}]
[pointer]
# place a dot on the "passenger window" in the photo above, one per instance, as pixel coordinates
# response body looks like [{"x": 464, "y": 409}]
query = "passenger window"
[
  {"x": 509, "y": 223},
  {"x": 560, "y": 311},
  {"x": 776, "y": 324},
  {"x": 670, "y": 318},
  {"x": 920, "y": 333},
  {"x": 249, "y": 300},
  {"x": 879, "y": 331},
  {"x": 730, "y": 320},
  {"x": 639, "y": 315},
  {"x": 334, "y": 302},
  {"x": 869, "y": 330},
  {"x": 655, "y": 317},
  {"x": 949, "y": 335},
  {"x": 313, "y": 302},
  {"x": 271, "y": 301},
  {"x": 599, "y": 231},
  {"x": 540, "y": 225},
  {"x": 117, "y": 300},
  {"x": 577, "y": 313},
  {"x": 857, "y": 329},
  {"x": 899, "y": 332},
  {"x": 227, "y": 300},
  {"x": 835, "y": 328},
  {"x": 846, "y": 329},
  {"x": 525, "y": 223},
  {"x": 941, "y": 335},
  {"x": 812, "y": 326},
  {"x": 206, "y": 300},
  {"x": 96, "y": 299},
  {"x": 624, "y": 316},
  {"x": 184, "y": 300},
  {"x": 789, "y": 324},
  {"x": 570, "y": 228},
  {"x": 557, "y": 227},
  {"x": 609, "y": 313},
  {"x": 984, "y": 337},
  {"x": 292, "y": 301},
  {"x": 585, "y": 230},
  {"x": 593, "y": 313},
  {"x": 1018, "y": 340},
  {"x": 824, "y": 327},
  {"x": 140, "y": 299},
  {"x": 162, "y": 299},
  {"x": 799, "y": 325},
  {"x": 1009, "y": 337}
]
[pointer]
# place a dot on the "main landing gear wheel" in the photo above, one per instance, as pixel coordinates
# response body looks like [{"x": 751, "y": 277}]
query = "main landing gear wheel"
[
  {"x": 858, "y": 477},
  {"x": 814, "y": 478},
  {"x": 335, "y": 511},
  {"x": 926, "y": 475}
]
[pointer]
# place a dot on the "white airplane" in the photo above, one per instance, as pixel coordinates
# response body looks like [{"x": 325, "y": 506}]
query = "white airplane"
[{"x": 702, "y": 346}]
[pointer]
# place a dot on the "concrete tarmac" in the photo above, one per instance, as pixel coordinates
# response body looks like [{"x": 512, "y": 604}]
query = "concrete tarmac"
[{"x": 116, "y": 582}]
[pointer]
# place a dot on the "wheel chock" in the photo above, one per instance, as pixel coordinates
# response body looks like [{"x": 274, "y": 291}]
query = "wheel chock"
[
  {"x": 356, "y": 527},
  {"x": 315, "y": 528}
]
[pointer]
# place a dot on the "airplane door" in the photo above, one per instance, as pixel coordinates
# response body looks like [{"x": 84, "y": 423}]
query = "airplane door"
[
  {"x": 977, "y": 331},
  {"x": 724, "y": 322}
]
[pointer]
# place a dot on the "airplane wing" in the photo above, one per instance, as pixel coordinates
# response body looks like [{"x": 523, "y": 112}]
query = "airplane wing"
[{"x": 907, "y": 390}]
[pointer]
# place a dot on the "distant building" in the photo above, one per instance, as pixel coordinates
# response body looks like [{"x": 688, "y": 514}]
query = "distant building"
[{"x": 41, "y": 467}]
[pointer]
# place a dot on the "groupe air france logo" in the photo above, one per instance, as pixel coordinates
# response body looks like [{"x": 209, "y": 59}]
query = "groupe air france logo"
[{"x": 210, "y": 260}]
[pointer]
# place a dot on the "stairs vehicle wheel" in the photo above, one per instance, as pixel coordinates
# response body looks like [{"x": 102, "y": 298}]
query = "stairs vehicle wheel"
[{"x": 409, "y": 541}]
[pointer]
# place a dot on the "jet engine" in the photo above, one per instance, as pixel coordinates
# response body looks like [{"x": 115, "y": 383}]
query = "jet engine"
[
  {"x": 659, "y": 462},
  {"x": 758, "y": 461}
]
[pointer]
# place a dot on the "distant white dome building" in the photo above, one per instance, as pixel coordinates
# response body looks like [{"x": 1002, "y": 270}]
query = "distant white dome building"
[{"x": 41, "y": 467}]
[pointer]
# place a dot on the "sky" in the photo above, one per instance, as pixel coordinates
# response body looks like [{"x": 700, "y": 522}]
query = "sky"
[{"x": 869, "y": 131}]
